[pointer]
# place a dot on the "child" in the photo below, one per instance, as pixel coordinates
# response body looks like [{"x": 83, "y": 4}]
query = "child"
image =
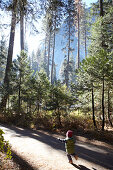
[{"x": 69, "y": 145}]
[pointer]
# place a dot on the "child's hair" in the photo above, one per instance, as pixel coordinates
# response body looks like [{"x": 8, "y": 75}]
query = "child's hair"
[{"x": 69, "y": 133}]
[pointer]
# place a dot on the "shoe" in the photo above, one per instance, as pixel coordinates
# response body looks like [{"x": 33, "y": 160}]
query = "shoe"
[
  {"x": 76, "y": 157},
  {"x": 70, "y": 161}
]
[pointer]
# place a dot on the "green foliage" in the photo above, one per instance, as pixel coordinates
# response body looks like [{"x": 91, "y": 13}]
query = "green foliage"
[
  {"x": 63, "y": 71},
  {"x": 4, "y": 145},
  {"x": 102, "y": 33},
  {"x": 91, "y": 74},
  {"x": 60, "y": 100},
  {"x": 32, "y": 93},
  {"x": 95, "y": 72},
  {"x": 32, "y": 99}
]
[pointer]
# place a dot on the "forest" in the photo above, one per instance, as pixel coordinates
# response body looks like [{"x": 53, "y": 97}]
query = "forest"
[{"x": 31, "y": 92}]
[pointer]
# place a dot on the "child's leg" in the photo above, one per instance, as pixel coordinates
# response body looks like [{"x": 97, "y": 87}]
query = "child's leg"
[
  {"x": 69, "y": 158},
  {"x": 75, "y": 156}
]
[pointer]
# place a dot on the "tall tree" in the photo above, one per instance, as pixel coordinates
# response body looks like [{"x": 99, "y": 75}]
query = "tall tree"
[
  {"x": 103, "y": 83},
  {"x": 86, "y": 84},
  {"x": 102, "y": 40},
  {"x": 17, "y": 7},
  {"x": 22, "y": 4},
  {"x": 10, "y": 53},
  {"x": 78, "y": 7},
  {"x": 23, "y": 76},
  {"x": 52, "y": 23},
  {"x": 57, "y": 17},
  {"x": 49, "y": 45},
  {"x": 69, "y": 29},
  {"x": 84, "y": 28}
]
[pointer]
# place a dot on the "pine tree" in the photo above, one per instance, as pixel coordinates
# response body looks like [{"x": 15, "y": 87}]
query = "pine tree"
[
  {"x": 85, "y": 87},
  {"x": 57, "y": 17},
  {"x": 63, "y": 71},
  {"x": 52, "y": 20},
  {"x": 9, "y": 57},
  {"x": 60, "y": 99},
  {"x": 101, "y": 39},
  {"x": 69, "y": 36},
  {"x": 78, "y": 6},
  {"x": 84, "y": 28},
  {"x": 16, "y": 7},
  {"x": 22, "y": 9},
  {"x": 23, "y": 75}
]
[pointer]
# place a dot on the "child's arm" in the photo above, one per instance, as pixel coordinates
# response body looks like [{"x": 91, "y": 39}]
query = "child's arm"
[{"x": 62, "y": 140}]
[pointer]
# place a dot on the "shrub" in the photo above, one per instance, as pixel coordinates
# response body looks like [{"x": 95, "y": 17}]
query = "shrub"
[{"x": 4, "y": 145}]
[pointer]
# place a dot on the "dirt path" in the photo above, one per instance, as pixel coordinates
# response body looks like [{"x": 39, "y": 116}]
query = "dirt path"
[{"x": 44, "y": 152}]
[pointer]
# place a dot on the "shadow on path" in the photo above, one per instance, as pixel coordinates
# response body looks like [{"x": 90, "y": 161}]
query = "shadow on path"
[
  {"x": 23, "y": 165},
  {"x": 80, "y": 167},
  {"x": 101, "y": 157}
]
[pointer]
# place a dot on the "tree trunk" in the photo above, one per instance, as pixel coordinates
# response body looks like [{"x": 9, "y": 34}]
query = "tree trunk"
[
  {"x": 78, "y": 53},
  {"x": 93, "y": 108},
  {"x": 9, "y": 57},
  {"x": 49, "y": 54},
  {"x": 101, "y": 7},
  {"x": 109, "y": 108},
  {"x": 45, "y": 54},
  {"x": 67, "y": 70},
  {"x": 30, "y": 106},
  {"x": 67, "y": 76},
  {"x": 52, "y": 66},
  {"x": 103, "y": 114},
  {"x": 22, "y": 48},
  {"x": 19, "y": 95},
  {"x": 85, "y": 43},
  {"x": 21, "y": 29},
  {"x": 27, "y": 110}
]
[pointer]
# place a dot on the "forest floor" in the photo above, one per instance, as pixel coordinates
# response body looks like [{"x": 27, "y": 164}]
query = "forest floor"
[{"x": 40, "y": 150}]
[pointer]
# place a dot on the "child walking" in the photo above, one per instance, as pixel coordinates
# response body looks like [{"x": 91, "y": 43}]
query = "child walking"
[{"x": 69, "y": 145}]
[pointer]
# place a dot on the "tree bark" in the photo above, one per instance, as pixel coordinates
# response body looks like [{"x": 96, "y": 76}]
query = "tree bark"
[
  {"x": 48, "y": 63},
  {"x": 101, "y": 7},
  {"x": 21, "y": 29},
  {"x": 68, "y": 59},
  {"x": 103, "y": 113},
  {"x": 85, "y": 44},
  {"x": 52, "y": 66},
  {"x": 93, "y": 108},
  {"x": 109, "y": 109},
  {"x": 78, "y": 53},
  {"x": 102, "y": 45},
  {"x": 19, "y": 95},
  {"x": 45, "y": 55}
]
